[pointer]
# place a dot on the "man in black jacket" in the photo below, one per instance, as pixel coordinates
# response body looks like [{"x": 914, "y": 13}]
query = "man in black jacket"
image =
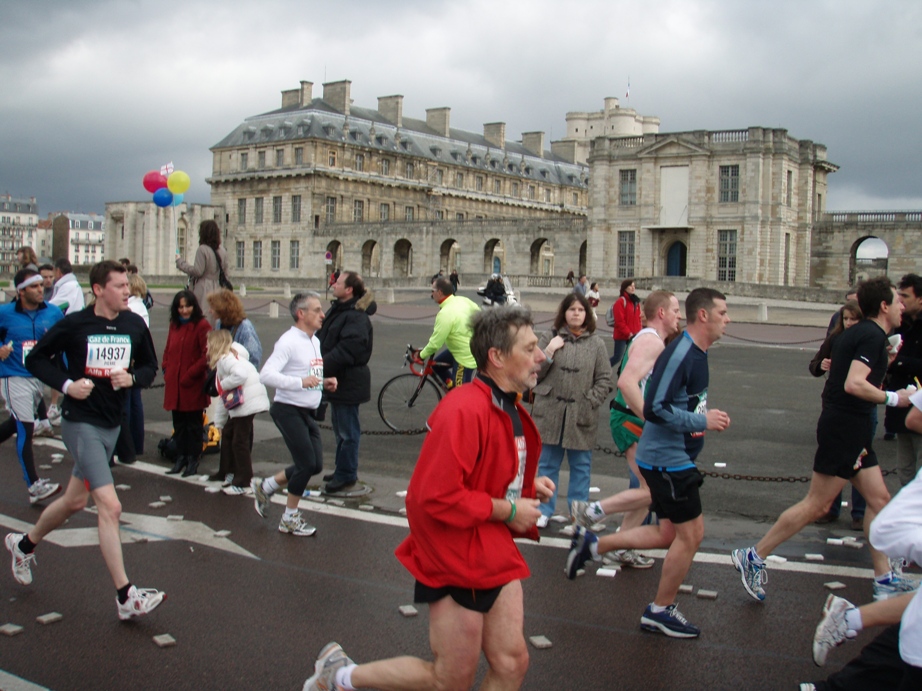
[
  {"x": 346, "y": 342},
  {"x": 906, "y": 370}
]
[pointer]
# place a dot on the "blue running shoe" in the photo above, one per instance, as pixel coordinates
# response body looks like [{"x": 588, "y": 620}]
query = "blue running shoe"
[
  {"x": 580, "y": 550},
  {"x": 897, "y": 585},
  {"x": 670, "y": 622},
  {"x": 751, "y": 575}
]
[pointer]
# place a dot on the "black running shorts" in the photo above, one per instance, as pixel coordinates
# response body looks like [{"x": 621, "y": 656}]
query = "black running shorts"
[
  {"x": 674, "y": 496},
  {"x": 469, "y": 598},
  {"x": 843, "y": 444}
]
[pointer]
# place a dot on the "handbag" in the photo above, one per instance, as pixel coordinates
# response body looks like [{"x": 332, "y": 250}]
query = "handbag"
[
  {"x": 231, "y": 399},
  {"x": 222, "y": 277}
]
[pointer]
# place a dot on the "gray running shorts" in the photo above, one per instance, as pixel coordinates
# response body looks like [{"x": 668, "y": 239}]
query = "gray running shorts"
[
  {"x": 91, "y": 447},
  {"x": 22, "y": 396}
]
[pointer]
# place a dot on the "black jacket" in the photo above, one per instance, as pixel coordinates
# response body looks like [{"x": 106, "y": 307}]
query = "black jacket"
[
  {"x": 346, "y": 340},
  {"x": 904, "y": 369}
]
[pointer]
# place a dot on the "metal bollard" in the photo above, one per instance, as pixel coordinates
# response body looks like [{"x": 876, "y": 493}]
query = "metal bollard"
[
  {"x": 763, "y": 312},
  {"x": 273, "y": 310}
]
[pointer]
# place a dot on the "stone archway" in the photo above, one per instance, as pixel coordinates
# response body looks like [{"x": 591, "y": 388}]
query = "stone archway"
[
  {"x": 448, "y": 255},
  {"x": 371, "y": 259},
  {"x": 335, "y": 248},
  {"x": 494, "y": 256},
  {"x": 403, "y": 258},
  {"x": 541, "y": 258},
  {"x": 582, "y": 258},
  {"x": 869, "y": 257}
]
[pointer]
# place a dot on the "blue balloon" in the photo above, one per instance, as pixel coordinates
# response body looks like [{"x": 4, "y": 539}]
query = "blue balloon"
[
  {"x": 177, "y": 199},
  {"x": 163, "y": 197}
]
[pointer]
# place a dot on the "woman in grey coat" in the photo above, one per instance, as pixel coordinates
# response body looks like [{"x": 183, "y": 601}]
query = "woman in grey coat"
[
  {"x": 572, "y": 383},
  {"x": 203, "y": 271}
]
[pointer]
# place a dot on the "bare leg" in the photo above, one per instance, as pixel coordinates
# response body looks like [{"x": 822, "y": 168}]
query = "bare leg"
[
  {"x": 62, "y": 508},
  {"x": 110, "y": 510},
  {"x": 870, "y": 483},
  {"x": 884, "y": 612},
  {"x": 688, "y": 536},
  {"x": 642, "y": 537}
]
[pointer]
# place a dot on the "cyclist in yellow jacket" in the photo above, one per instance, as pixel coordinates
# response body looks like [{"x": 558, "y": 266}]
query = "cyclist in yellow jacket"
[{"x": 453, "y": 331}]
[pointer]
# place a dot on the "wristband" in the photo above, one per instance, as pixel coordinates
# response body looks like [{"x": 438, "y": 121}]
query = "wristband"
[
  {"x": 893, "y": 399},
  {"x": 511, "y": 515}
]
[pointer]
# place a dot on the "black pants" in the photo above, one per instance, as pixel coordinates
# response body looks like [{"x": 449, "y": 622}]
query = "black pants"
[
  {"x": 302, "y": 437},
  {"x": 187, "y": 430},
  {"x": 878, "y": 666},
  {"x": 236, "y": 444}
]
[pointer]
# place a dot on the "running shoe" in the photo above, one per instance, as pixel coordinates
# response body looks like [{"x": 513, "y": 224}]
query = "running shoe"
[
  {"x": 331, "y": 659},
  {"x": 832, "y": 629},
  {"x": 228, "y": 480},
  {"x": 627, "y": 557},
  {"x": 580, "y": 550},
  {"x": 139, "y": 602},
  {"x": 670, "y": 622},
  {"x": 22, "y": 562},
  {"x": 295, "y": 525},
  {"x": 42, "y": 428},
  {"x": 260, "y": 497},
  {"x": 542, "y": 521},
  {"x": 41, "y": 489},
  {"x": 752, "y": 576},
  {"x": 235, "y": 491},
  {"x": 54, "y": 415},
  {"x": 897, "y": 585},
  {"x": 579, "y": 512}
]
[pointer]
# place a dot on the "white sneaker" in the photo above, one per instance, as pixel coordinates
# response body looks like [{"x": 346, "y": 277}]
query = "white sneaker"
[
  {"x": 260, "y": 497},
  {"x": 42, "y": 428},
  {"x": 22, "y": 563},
  {"x": 41, "y": 489},
  {"x": 295, "y": 525},
  {"x": 234, "y": 491},
  {"x": 331, "y": 660},
  {"x": 832, "y": 629},
  {"x": 139, "y": 602},
  {"x": 542, "y": 521},
  {"x": 54, "y": 415}
]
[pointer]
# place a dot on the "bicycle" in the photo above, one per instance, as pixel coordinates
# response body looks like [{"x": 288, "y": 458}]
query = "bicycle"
[{"x": 407, "y": 400}]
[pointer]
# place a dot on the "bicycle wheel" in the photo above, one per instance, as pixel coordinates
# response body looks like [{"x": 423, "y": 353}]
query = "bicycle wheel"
[{"x": 406, "y": 402}]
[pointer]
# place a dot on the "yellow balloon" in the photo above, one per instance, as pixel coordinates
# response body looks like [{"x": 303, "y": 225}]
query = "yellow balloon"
[{"x": 178, "y": 182}]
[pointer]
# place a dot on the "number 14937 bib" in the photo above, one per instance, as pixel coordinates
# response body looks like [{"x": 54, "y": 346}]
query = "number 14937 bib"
[{"x": 107, "y": 352}]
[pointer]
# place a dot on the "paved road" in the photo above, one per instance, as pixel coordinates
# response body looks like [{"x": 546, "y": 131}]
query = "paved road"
[{"x": 251, "y": 610}]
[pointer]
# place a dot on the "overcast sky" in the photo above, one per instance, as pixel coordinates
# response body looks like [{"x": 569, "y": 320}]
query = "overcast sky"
[{"x": 94, "y": 93}]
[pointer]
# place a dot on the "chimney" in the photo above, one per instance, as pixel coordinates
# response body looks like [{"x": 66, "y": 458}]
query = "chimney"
[
  {"x": 290, "y": 98},
  {"x": 336, "y": 94},
  {"x": 306, "y": 93},
  {"x": 391, "y": 109},
  {"x": 534, "y": 142},
  {"x": 437, "y": 119},
  {"x": 298, "y": 97},
  {"x": 495, "y": 133}
]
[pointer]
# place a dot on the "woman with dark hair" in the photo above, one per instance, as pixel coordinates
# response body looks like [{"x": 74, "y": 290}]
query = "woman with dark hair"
[
  {"x": 184, "y": 369},
  {"x": 229, "y": 314},
  {"x": 627, "y": 319},
  {"x": 204, "y": 271},
  {"x": 572, "y": 383},
  {"x": 27, "y": 258}
]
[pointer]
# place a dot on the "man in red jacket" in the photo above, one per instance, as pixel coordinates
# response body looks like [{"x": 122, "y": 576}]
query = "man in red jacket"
[{"x": 473, "y": 490}]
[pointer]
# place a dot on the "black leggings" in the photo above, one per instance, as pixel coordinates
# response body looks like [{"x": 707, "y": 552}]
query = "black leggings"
[
  {"x": 23, "y": 432},
  {"x": 302, "y": 437},
  {"x": 187, "y": 430}
]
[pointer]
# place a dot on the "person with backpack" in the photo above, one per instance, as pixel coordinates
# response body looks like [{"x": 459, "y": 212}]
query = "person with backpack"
[{"x": 626, "y": 314}]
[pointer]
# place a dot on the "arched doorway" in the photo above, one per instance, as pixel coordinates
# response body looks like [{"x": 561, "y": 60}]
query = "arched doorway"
[
  {"x": 541, "y": 260},
  {"x": 403, "y": 258},
  {"x": 676, "y": 259},
  {"x": 371, "y": 259},
  {"x": 335, "y": 248},
  {"x": 869, "y": 258},
  {"x": 448, "y": 256},
  {"x": 582, "y": 257},
  {"x": 494, "y": 255}
]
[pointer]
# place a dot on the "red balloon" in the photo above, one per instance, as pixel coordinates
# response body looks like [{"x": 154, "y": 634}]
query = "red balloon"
[{"x": 154, "y": 181}]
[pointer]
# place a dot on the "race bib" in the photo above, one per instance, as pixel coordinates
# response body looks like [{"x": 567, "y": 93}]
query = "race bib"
[
  {"x": 27, "y": 347},
  {"x": 107, "y": 352},
  {"x": 317, "y": 371}
]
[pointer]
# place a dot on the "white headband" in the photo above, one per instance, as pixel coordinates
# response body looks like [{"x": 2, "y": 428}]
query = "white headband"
[{"x": 31, "y": 281}]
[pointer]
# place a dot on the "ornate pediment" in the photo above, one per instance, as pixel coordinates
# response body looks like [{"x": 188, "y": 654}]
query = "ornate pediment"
[{"x": 673, "y": 146}]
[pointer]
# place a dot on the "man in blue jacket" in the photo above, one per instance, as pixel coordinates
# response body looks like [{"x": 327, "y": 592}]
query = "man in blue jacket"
[{"x": 22, "y": 323}]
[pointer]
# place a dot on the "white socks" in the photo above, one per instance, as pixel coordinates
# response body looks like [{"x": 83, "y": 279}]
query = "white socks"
[
  {"x": 853, "y": 620},
  {"x": 595, "y": 511},
  {"x": 270, "y": 486},
  {"x": 344, "y": 677}
]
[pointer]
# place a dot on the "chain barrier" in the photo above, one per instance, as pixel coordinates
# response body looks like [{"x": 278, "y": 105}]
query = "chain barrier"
[{"x": 775, "y": 343}]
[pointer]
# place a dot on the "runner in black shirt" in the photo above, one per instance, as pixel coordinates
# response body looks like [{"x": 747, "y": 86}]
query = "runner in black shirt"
[{"x": 107, "y": 349}]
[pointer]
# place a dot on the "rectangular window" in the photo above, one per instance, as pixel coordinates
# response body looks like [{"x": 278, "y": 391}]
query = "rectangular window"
[
  {"x": 789, "y": 193},
  {"x": 576, "y": 199},
  {"x": 459, "y": 216},
  {"x": 438, "y": 215},
  {"x": 279, "y": 158},
  {"x": 257, "y": 254},
  {"x": 261, "y": 159},
  {"x": 276, "y": 209},
  {"x": 478, "y": 183},
  {"x": 531, "y": 191},
  {"x": 515, "y": 189},
  {"x": 729, "y": 184},
  {"x": 276, "y": 252},
  {"x": 726, "y": 255},
  {"x": 409, "y": 213},
  {"x": 259, "y": 210},
  {"x": 625, "y": 253},
  {"x": 628, "y": 189},
  {"x": 358, "y": 211},
  {"x": 296, "y": 208},
  {"x": 332, "y": 158},
  {"x": 497, "y": 186},
  {"x": 410, "y": 170},
  {"x": 331, "y": 209},
  {"x": 244, "y": 160},
  {"x": 241, "y": 254},
  {"x": 241, "y": 211},
  {"x": 547, "y": 195},
  {"x": 459, "y": 180},
  {"x": 294, "y": 254},
  {"x": 299, "y": 155},
  {"x": 439, "y": 176},
  {"x": 384, "y": 212},
  {"x": 385, "y": 166},
  {"x": 360, "y": 162}
]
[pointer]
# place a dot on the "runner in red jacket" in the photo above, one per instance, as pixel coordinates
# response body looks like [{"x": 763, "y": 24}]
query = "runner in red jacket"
[{"x": 627, "y": 311}]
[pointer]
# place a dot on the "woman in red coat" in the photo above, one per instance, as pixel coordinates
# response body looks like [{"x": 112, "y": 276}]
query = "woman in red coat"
[
  {"x": 184, "y": 370},
  {"x": 627, "y": 319}
]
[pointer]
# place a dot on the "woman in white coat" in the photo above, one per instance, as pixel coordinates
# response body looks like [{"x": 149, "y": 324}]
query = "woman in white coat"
[{"x": 234, "y": 370}]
